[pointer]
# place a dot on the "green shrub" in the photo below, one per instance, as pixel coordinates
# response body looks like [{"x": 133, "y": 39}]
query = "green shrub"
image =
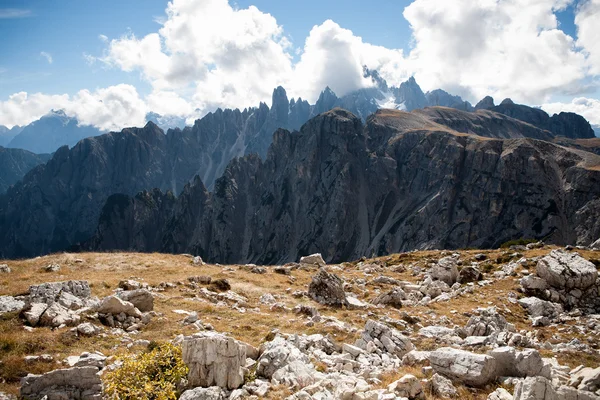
[
  {"x": 517, "y": 242},
  {"x": 152, "y": 375}
]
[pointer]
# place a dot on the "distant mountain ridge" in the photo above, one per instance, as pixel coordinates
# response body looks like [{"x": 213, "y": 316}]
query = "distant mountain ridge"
[{"x": 50, "y": 132}]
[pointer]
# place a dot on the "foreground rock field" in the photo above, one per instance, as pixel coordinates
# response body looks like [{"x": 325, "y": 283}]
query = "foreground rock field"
[{"x": 518, "y": 323}]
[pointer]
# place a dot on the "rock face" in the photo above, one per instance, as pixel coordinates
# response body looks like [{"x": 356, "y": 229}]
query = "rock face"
[
  {"x": 424, "y": 166},
  {"x": 79, "y": 383},
  {"x": 470, "y": 368},
  {"x": 15, "y": 163},
  {"x": 328, "y": 289},
  {"x": 214, "y": 360}
]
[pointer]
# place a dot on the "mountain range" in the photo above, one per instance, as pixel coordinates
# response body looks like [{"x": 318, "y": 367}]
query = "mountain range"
[{"x": 231, "y": 189}]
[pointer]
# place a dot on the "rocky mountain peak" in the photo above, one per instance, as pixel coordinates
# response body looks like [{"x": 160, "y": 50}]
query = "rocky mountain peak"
[
  {"x": 409, "y": 95},
  {"x": 280, "y": 105},
  {"x": 485, "y": 104},
  {"x": 377, "y": 80},
  {"x": 507, "y": 101}
]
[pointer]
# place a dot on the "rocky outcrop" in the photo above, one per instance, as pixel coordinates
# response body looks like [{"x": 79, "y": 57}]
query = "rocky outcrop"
[
  {"x": 300, "y": 197},
  {"x": 565, "y": 279}
]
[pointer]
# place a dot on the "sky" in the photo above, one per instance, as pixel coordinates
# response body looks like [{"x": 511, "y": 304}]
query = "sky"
[{"x": 110, "y": 62}]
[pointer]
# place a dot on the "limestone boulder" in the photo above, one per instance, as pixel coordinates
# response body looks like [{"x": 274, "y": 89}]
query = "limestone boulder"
[
  {"x": 458, "y": 365},
  {"x": 78, "y": 383},
  {"x": 142, "y": 299},
  {"x": 214, "y": 359},
  {"x": 446, "y": 270},
  {"x": 327, "y": 289},
  {"x": 313, "y": 259},
  {"x": 10, "y": 304},
  {"x": 565, "y": 270}
]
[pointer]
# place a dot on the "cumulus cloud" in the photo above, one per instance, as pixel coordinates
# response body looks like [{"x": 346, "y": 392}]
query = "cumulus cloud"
[
  {"x": 510, "y": 48},
  {"x": 112, "y": 108},
  {"x": 588, "y": 108},
  {"x": 227, "y": 57},
  {"x": 588, "y": 33},
  {"x": 47, "y": 56}
]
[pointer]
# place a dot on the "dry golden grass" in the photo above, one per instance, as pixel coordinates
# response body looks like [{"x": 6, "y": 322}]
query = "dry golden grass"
[{"x": 104, "y": 271}]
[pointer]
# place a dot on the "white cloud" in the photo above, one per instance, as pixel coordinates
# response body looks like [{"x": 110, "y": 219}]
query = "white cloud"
[
  {"x": 228, "y": 57},
  {"x": 9, "y": 13},
  {"x": 112, "y": 108},
  {"x": 47, "y": 56},
  {"x": 510, "y": 48},
  {"x": 587, "y": 18},
  {"x": 169, "y": 103},
  {"x": 103, "y": 38},
  {"x": 588, "y": 108}
]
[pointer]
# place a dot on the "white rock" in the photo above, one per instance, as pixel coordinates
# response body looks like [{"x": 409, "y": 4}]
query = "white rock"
[
  {"x": 115, "y": 306},
  {"x": 210, "y": 393},
  {"x": 78, "y": 383},
  {"x": 10, "y": 304},
  {"x": 142, "y": 299},
  {"x": 443, "y": 387},
  {"x": 567, "y": 270},
  {"x": 408, "y": 386},
  {"x": 534, "y": 388},
  {"x": 585, "y": 379},
  {"x": 313, "y": 259},
  {"x": 470, "y": 368},
  {"x": 500, "y": 394},
  {"x": 214, "y": 359}
]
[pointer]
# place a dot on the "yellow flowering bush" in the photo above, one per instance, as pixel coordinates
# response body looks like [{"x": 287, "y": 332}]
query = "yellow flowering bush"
[{"x": 152, "y": 375}]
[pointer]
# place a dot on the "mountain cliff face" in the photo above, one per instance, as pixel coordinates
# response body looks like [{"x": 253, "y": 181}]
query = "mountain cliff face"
[
  {"x": 401, "y": 181},
  {"x": 15, "y": 163},
  {"x": 58, "y": 205},
  {"x": 50, "y": 132}
]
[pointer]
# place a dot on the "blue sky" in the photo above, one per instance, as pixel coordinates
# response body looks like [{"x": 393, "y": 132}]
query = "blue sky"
[{"x": 54, "y": 56}]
